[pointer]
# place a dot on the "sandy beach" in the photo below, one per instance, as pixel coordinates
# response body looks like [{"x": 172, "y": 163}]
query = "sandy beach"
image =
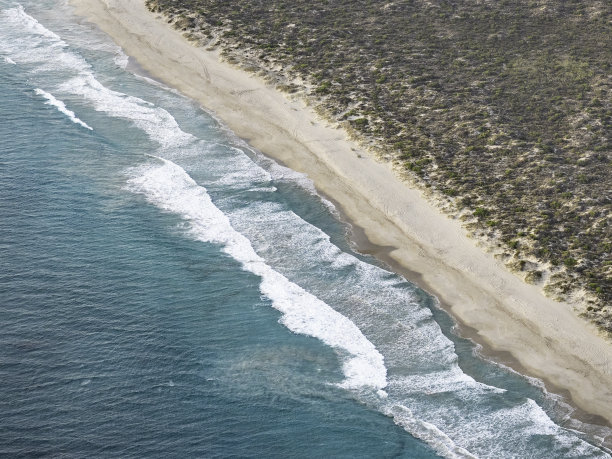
[{"x": 514, "y": 321}]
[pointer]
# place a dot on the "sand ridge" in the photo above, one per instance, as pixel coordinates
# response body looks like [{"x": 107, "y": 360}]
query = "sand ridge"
[{"x": 546, "y": 339}]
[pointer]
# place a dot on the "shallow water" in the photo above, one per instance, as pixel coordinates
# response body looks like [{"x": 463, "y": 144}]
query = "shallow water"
[{"x": 165, "y": 290}]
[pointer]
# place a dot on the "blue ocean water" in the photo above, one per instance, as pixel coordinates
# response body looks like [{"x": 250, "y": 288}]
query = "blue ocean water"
[{"x": 167, "y": 291}]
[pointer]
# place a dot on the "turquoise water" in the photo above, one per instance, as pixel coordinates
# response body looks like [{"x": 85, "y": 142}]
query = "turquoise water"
[{"x": 167, "y": 291}]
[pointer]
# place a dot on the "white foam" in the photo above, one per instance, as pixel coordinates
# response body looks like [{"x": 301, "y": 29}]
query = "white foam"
[
  {"x": 282, "y": 173},
  {"x": 561, "y": 408},
  {"x": 277, "y": 171},
  {"x": 426, "y": 431},
  {"x": 485, "y": 425},
  {"x": 46, "y": 49},
  {"x": 450, "y": 379},
  {"x": 121, "y": 59},
  {"x": 244, "y": 173},
  {"x": 28, "y": 41},
  {"x": 169, "y": 187},
  {"x": 158, "y": 84},
  {"x": 8, "y": 60},
  {"x": 61, "y": 106},
  {"x": 21, "y": 19},
  {"x": 156, "y": 122}
]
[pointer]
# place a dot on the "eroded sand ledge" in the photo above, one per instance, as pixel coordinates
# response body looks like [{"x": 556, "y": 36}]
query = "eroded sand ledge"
[{"x": 545, "y": 338}]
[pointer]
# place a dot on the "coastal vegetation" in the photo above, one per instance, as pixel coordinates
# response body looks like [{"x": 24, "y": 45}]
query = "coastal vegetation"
[{"x": 500, "y": 110}]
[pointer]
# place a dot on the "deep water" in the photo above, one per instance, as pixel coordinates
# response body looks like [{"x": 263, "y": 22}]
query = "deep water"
[{"x": 167, "y": 291}]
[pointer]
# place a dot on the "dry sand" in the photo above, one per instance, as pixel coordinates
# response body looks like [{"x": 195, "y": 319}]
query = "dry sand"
[{"x": 513, "y": 320}]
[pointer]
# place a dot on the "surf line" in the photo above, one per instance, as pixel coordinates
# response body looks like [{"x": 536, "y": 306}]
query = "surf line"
[
  {"x": 169, "y": 187},
  {"x": 61, "y": 106}
]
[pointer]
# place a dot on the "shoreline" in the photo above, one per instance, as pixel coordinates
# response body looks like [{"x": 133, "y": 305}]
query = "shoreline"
[
  {"x": 498, "y": 357},
  {"x": 391, "y": 221}
]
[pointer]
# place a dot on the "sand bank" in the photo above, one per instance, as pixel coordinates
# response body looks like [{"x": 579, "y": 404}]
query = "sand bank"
[{"x": 510, "y": 318}]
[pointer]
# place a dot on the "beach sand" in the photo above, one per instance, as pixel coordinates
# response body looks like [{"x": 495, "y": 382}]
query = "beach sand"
[{"x": 514, "y": 322}]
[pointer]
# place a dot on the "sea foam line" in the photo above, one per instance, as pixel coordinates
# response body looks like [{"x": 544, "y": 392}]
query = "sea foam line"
[
  {"x": 61, "y": 106},
  {"x": 170, "y": 188},
  {"x": 46, "y": 49},
  {"x": 121, "y": 59},
  {"x": 160, "y": 125},
  {"x": 22, "y": 19}
]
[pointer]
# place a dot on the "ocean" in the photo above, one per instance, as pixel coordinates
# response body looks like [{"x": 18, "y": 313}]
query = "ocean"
[{"x": 168, "y": 291}]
